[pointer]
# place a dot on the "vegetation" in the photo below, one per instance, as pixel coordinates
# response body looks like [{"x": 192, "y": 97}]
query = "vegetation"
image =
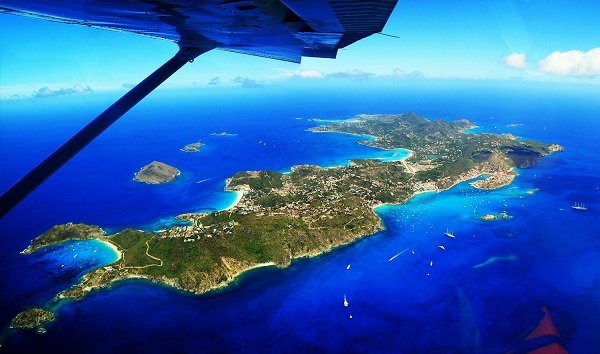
[
  {"x": 193, "y": 147},
  {"x": 62, "y": 233},
  {"x": 457, "y": 154},
  {"x": 307, "y": 212},
  {"x": 32, "y": 318},
  {"x": 156, "y": 172}
]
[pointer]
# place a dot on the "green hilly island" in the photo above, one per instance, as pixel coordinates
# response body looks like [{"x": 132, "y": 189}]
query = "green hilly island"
[{"x": 280, "y": 217}]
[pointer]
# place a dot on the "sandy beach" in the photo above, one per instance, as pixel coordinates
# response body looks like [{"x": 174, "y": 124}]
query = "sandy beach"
[
  {"x": 113, "y": 247},
  {"x": 238, "y": 198}
]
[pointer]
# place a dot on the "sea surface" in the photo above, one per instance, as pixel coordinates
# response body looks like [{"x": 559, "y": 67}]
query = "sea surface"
[{"x": 482, "y": 294}]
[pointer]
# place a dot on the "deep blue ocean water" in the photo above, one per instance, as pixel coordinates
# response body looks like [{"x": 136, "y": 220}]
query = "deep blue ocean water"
[{"x": 482, "y": 294}]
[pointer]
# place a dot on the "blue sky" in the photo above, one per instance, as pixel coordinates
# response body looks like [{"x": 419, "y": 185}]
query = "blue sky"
[{"x": 554, "y": 41}]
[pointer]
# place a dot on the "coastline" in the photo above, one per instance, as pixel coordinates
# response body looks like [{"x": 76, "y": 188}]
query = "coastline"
[
  {"x": 223, "y": 285},
  {"x": 232, "y": 278},
  {"x": 466, "y": 131},
  {"x": 225, "y": 267},
  {"x": 352, "y": 134},
  {"x": 112, "y": 247},
  {"x": 238, "y": 198},
  {"x": 410, "y": 154}
]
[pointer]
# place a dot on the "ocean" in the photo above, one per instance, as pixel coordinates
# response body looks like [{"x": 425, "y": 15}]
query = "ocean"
[{"x": 483, "y": 293}]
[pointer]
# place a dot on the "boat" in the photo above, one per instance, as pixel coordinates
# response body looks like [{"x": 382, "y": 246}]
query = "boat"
[
  {"x": 348, "y": 267},
  {"x": 449, "y": 233},
  {"x": 579, "y": 206},
  {"x": 442, "y": 248},
  {"x": 345, "y": 301},
  {"x": 413, "y": 251}
]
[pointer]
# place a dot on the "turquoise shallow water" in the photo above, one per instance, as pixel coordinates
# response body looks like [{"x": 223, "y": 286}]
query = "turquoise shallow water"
[{"x": 480, "y": 294}]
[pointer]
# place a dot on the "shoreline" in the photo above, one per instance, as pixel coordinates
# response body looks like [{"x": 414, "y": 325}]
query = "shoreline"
[
  {"x": 236, "y": 277},
  {"x": 238, "y": 198},
  {"x": 112, "y": 247},
  {"x": 233, "y": 267}
]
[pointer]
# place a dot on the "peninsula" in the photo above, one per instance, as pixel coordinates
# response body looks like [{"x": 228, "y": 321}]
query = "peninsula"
[
  {"x": 280, "y": 217},
  {"x": 156, "y": 172}
]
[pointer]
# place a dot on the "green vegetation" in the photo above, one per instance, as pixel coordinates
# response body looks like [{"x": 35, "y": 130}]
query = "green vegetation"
[
  {"x": 307, "y": 212},
  {"x": 62, "y": 233},
  {"x": 457, "y": 154},
  {"x": 32, "y": 318},
  {"x": 156, "y": 172}
]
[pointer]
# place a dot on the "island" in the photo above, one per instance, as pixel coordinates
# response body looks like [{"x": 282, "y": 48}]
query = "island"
[
  {"x": 156, "y": 172},
  {"x": 193, "y": 147},
  {"x": 223, "y": 134},
  {"x": 279, "y": 217},
  {"x": 493, "y": 217},
  {"x": 32, "y": 318}
]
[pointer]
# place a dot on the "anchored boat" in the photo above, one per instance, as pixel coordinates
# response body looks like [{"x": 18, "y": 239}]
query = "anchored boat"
[{"x": 449, "y": 233}]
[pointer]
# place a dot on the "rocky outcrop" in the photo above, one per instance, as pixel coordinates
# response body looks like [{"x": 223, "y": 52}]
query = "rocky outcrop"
[
  {"x": 193, "y": 147},
  {"x": 156, "y": 172}
]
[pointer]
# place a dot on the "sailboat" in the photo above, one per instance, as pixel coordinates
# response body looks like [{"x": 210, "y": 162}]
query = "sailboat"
[
  {"x": 449, "y": 233},
  {"x": 579, "y": 206}
]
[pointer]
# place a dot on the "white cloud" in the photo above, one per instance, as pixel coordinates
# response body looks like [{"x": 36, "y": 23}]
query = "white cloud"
[
  {"x": 398, "y": 73},
  {"x": 309, "y": 74},
  {"x": 401, "y": 74},
  {"x": 247, "y": 82},
  {"x": 572, "y": 63},
  {"x": 47, "y": 92},
  {"x": 515, "y": 60},
  {"x": 415, "y": 75},
  {"x": 352, "y": 74},
  {"x": 304, "y": 74}
]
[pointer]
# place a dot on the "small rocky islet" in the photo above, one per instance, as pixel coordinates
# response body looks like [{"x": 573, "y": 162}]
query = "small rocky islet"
[{"x": 156, "y": 172}]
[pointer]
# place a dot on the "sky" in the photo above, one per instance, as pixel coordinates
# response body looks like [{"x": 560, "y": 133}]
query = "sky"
[{"x": 532, "y": 40}]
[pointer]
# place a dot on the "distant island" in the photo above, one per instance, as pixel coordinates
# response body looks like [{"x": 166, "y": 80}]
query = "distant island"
[
  {"x": 493, "y": 217},
  {"x": 223, "y": 134},
  {"x": 193, "y": 147},
  {"x": 32, "y": 318},
  {"x": 279, "y": 217},
  {"x": 156, "y": 172}
]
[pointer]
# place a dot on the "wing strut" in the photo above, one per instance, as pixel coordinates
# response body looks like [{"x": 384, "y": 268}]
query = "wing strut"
[{"x": 46, "y": 168}]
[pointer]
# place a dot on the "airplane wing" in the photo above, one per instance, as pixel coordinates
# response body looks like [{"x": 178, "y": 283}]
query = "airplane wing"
[{"x": 279, "y": 29}]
